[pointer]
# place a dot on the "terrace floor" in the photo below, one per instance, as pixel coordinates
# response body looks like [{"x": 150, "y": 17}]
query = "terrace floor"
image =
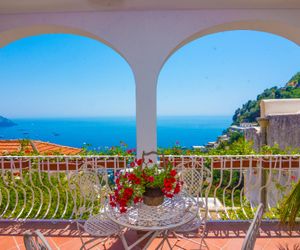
[{"x": 221, "y": 235}]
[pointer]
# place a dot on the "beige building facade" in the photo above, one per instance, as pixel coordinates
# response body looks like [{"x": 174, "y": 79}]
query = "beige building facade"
[{"x": 279, "y": 124}]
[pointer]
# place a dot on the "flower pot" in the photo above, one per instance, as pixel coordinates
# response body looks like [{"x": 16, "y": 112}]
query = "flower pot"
[{"x": 153, "y": 197}]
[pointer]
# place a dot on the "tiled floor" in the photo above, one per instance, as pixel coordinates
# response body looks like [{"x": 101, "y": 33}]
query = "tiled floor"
[{"x": 220, "y": 236}]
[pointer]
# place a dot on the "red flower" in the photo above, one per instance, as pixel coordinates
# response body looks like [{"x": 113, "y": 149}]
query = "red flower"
[
  {"x": 173, "y": 172},
  {"x": 129, "y": 151},
  {"x": 167, "y": 189},
  {"x": 139, "y": 162},
  {"x": 132, "y": 164},
  {"x": 128, "y": 192},
  {"x": 150, "y": 178},
  {"x": 137, "y": 181},
  {"x": 167, "y": 183},
  {"x": 136, "y": 199},
  {"x": 172, "y": 180},
  {"x": 150, "y": 161},
  {"x": 123, "y": 202},
  {"x": 177, "y": 188},
  {"x": 293, "y": 177},
  {"x": 169, "y": 195},
  {"x": 112, "y": 204},
  {"x": 131, "y": 177},
  {"x": 123, "y": 209}
]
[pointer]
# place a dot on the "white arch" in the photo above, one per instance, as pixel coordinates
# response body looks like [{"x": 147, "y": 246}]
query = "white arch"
[
  {"x": 14, "y": 34},
  {"x": 274, "y": 27}
]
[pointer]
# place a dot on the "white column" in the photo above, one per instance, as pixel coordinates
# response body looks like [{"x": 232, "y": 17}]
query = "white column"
[{"x": 146, "y": 112}]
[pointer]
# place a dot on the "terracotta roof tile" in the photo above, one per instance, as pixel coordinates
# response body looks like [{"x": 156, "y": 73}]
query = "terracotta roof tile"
[{"x": 14, "y": 146}]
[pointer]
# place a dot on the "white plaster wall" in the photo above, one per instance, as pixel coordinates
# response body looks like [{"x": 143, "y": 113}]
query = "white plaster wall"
[
  {"x": 146, "y": 39},
  {"x": 279, "y": 107}
]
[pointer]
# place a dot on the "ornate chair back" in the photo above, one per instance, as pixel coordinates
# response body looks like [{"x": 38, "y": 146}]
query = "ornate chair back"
[
  {"x": 192, "y": 181},
  {"x": 197, "y": 181},
  {"x": 35, "y": 241},
  {"x": 249, "y": 241},
  {"x": 90, "y": 187}
]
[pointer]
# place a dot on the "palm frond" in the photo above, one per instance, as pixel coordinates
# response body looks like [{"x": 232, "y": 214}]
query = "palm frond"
[{"x": 291, "y": 206}]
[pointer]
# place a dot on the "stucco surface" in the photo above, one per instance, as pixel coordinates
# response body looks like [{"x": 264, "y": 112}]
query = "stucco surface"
[{"x": 284, "y": 130}]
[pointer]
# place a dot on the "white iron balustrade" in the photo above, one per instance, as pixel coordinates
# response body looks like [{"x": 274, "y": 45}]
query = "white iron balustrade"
[{"x": 41, "y": 187}]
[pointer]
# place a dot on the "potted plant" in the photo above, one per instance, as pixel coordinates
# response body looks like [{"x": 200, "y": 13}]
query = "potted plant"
[{"x": 145, "y": 182}]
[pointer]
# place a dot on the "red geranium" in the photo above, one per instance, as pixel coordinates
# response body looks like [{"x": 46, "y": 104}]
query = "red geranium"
[
  {"x": 139, "y": 162},
  {"x": 150, "y": 178},
  {"x": 131, "y": 184},
  {"x": 173, "y": 172},
  {"x": 123, "y": 209}
]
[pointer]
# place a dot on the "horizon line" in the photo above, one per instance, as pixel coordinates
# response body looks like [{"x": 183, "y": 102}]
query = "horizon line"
[{"x": 114, "y": 116}]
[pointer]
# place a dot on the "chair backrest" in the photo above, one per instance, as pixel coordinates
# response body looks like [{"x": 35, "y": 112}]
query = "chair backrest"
[
  {"x": 192, "y": 181},
  {"x": 249, "y": 241},
  {"x": 35, "y": 241},
  {"x": 90, "y": 187},
  {"x": 197, "y": 181}
]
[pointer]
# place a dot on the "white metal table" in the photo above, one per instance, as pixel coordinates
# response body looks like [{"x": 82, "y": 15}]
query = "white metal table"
[{"x": 155, "y": 220}]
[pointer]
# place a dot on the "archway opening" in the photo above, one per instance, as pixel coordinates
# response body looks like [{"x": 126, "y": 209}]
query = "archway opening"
[
  {"x": 67, "y": 89},
  {"x": 203, "y": 83}
]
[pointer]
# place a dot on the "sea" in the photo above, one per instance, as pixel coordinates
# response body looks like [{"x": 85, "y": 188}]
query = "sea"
[{"x": 100, "y": 133}]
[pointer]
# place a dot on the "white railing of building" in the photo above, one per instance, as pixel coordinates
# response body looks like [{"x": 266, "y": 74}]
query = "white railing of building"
[{"x": 40, "y": 187}]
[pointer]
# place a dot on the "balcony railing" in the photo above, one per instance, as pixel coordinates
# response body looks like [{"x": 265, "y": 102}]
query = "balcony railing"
[{"x": 40, "y": 187}]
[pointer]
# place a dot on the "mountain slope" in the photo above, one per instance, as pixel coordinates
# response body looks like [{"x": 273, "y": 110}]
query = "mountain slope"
[{"x": 250, "y": 111}]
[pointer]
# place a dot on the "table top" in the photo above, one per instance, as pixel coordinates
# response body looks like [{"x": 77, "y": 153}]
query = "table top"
[{"x": 172, "y": 213}]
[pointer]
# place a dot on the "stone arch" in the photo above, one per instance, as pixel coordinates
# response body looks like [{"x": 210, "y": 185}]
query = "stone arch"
[{"x": 285, "y": 30}]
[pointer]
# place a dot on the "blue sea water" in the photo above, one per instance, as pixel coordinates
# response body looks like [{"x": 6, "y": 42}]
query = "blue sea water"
[{"x": 109, "y": 131}]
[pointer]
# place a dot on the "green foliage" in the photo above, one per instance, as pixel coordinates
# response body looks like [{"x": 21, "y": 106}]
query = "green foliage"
[
  {"x": 276, "y": 150},
  {"x": 51, "y": 198},
  {"x": 296, "y": 77},
  {"x": 290, "y": 208},
  {"x": 250, "y": 111},
  {"x": 119, "y": 150}
]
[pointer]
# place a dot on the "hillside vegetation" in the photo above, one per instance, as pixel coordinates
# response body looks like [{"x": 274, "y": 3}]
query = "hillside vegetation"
[{"x": 251, "y": 110}]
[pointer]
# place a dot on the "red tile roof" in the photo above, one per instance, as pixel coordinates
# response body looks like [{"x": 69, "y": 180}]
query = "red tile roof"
[{"x": 15, "y": 146}]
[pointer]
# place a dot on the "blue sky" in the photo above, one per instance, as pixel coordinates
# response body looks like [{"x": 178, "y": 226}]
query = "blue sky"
[{"x": 72, "y": 76}]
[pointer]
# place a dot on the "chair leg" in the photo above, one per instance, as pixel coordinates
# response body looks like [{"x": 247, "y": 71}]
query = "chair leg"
[
  {"x": 84, "y": 247},
  {"x": 201, "y": 243}
]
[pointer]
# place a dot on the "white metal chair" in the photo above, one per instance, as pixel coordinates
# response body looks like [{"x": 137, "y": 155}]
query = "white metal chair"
[
  {"x": 35, "y": 241},
  {"x": 92, "y": 188},
  {"x": 249, "y": 241},
  {"x": 194, "y": 180}
]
